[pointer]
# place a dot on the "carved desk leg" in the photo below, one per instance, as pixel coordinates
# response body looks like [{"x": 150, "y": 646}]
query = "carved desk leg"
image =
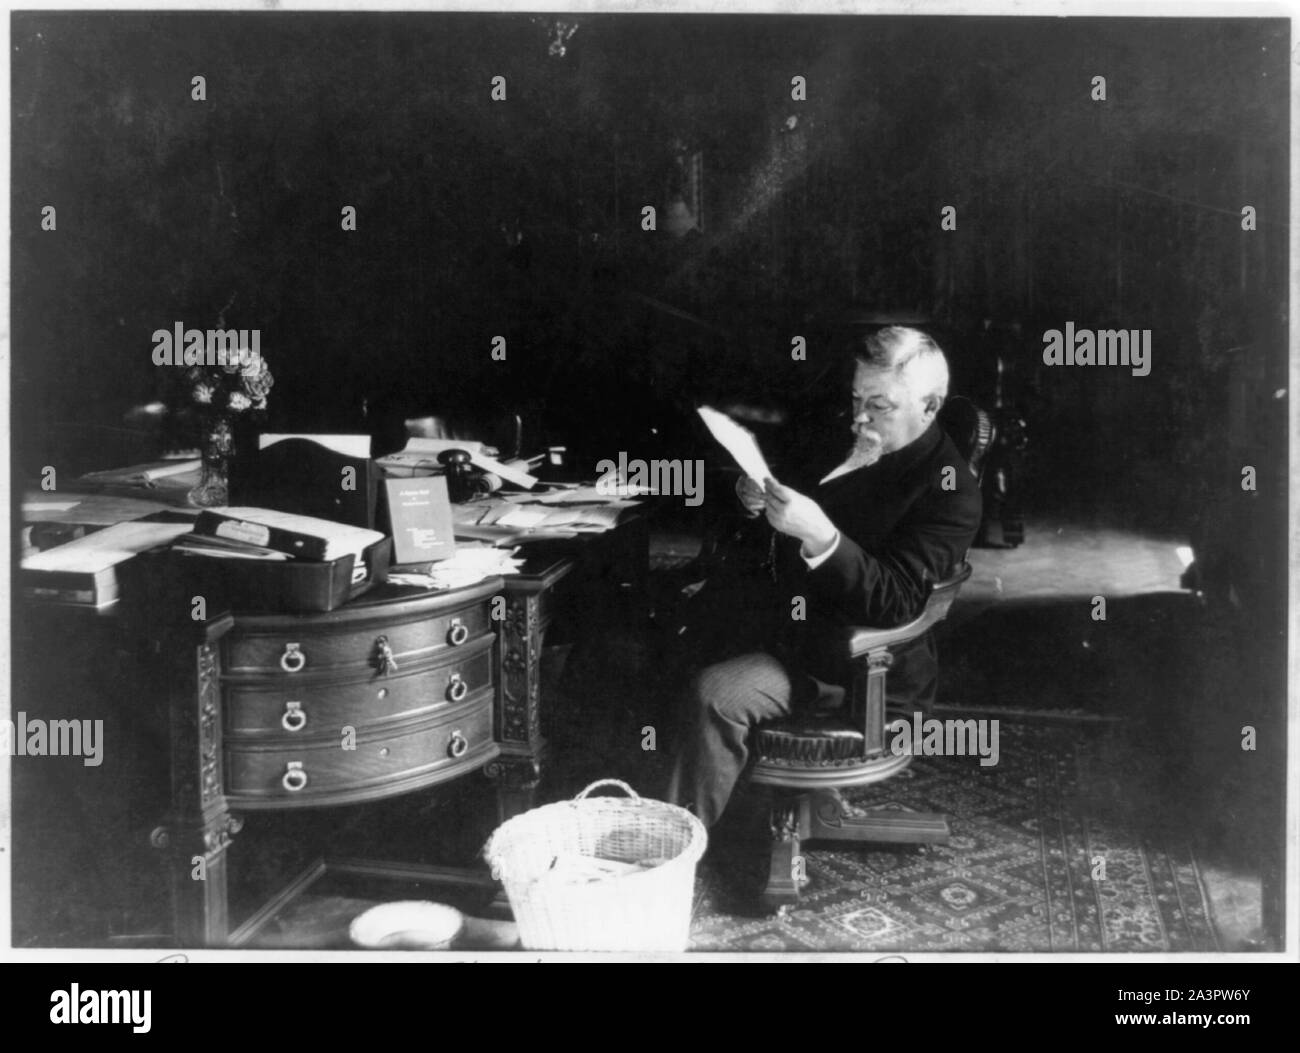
[
  {"x": 199, "y": 827},
  {"x": 518, "y": 769}
]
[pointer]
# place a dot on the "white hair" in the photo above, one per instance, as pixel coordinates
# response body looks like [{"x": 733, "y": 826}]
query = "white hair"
[{"x": 909, "y": 354}]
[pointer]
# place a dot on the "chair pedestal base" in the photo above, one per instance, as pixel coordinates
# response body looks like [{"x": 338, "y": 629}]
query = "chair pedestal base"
[{"x": 821, "y": 816}]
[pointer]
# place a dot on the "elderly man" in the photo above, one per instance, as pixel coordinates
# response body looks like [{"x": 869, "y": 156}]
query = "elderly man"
[{"x": 863, "y": 548}]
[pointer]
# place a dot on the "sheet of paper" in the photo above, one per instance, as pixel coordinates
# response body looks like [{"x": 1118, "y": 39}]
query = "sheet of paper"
[
  {"x": 347, "y": 445},
  {"x": 470, "y": 564},
  {"x": 216, "y": 553},
  {"x": 584, "y": 495},
  {"x": 738, "y": 441},
  {"x": 433, "y": 447},
  {"x": 100, "y": 509},
  {"x": 143, "y": 474},
  {"x": 32, "y": 507},
  {"x": 523, "y": 517},
  {"x": 505, "y": 471},
  {"x": 106, "y": 548},
  {"x": 602, "y": 517},
  {"x": 482, "y": 511}
]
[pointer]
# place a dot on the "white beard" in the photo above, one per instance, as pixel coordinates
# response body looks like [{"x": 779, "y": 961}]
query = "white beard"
[
  {"x": 861, "y": 458},
  {"x": 864, "y": 452}
]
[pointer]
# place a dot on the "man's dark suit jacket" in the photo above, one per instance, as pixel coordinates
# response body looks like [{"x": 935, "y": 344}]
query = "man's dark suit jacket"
[{"x": 900, "y": 531}]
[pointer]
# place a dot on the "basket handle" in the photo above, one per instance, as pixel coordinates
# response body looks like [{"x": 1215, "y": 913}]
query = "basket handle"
[{"x": 610, "y": 782}]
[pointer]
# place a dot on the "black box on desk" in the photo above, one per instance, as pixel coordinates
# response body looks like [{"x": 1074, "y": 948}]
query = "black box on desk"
[
  {"x": 267, "y": 586},
  {"x": 303, "y": 477}
]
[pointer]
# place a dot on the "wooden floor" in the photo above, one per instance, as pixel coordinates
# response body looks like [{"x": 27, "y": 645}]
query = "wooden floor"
[
  {"x": 1027, "y": 638},
  {"x": 1022, "y": 637},
  {"x": 1062, "y": 561}
]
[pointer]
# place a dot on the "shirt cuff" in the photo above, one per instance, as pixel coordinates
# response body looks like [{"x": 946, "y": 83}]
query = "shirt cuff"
[
  {"x": 817, "y": 561},
  {"x": 748, "y": 512}
]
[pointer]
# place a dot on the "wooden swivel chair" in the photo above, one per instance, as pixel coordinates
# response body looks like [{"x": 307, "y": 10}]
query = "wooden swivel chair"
[{"x": 804, "y": 758}]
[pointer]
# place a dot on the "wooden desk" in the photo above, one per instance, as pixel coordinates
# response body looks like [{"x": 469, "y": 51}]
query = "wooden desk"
[
  {"x": 240, "y": 721},
  {"x": 392, "y": 693},
  {"x": 259, "y": 713}
]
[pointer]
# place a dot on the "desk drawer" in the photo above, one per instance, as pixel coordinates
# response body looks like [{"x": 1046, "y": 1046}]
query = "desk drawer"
[
  {"x": 292, "y": 651},
  {"x": 456, "y": 742},
  {"x": 304, "y": 708}
]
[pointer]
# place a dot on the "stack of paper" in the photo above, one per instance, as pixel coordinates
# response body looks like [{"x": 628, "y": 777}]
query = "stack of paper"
[
  {"x": 142, "y": 474},
  {"x": 422, "y": 455},
  {"x": 511, "y": 521},
  {"x": 470, "y": 564},
  {"x": 581, "y": 495}
]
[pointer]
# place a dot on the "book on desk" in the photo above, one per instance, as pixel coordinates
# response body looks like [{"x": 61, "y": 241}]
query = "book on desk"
[
  {"x": 235, "y": 570},
  {"x": 84, "y": 572}
]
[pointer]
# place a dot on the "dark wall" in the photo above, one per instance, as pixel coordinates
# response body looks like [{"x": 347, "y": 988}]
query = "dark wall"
[{"x": 522, "y": 217}]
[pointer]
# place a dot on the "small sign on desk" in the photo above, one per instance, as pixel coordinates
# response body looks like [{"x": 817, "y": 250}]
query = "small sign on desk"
[{"x": 420, "y": 517}]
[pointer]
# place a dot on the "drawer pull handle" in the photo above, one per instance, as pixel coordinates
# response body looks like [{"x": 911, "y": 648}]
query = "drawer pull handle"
[
  {"x": 293, "y": 718},
  {"x": 295, "y": 778},
  {"x": 293, "y": 659},
  {"x": 456, "y": 688},
  {"x": 384, "y": 656},
  {"x": 458, "y": 633},
  {"x": 459, "y": 744}
]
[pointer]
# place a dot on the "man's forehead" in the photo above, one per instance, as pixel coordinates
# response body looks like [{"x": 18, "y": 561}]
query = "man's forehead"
[{"x": 868, "y": 382}]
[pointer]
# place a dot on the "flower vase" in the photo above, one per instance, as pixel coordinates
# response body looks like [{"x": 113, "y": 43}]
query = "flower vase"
[{"x": 217, "y": 448}]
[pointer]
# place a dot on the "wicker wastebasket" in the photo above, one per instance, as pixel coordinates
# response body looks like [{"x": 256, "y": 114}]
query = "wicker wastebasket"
[{"x": 600, "y": 873}]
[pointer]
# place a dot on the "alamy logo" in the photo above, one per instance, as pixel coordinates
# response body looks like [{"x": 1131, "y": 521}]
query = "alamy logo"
[
  {"x": 179, "y": 346},
  {"x": 1103, "y": 347},
  {"x": 76, "y": 1006},
  {"x": 53, "y": 738},
  {"x": 624, "y": 478},
  {"x": 945, "y": 738}
]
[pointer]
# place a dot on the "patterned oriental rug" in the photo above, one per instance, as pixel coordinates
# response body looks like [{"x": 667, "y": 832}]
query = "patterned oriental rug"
[{"x": 1023, "y": 871}]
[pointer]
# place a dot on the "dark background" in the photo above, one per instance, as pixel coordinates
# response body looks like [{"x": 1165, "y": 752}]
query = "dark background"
[
  {"x": 1123, "y": 213},
  {"x": 522, "y": 218}
]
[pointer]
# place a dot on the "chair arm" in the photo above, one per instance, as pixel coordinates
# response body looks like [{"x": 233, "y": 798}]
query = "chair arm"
[{"x": 863, "y": 641}]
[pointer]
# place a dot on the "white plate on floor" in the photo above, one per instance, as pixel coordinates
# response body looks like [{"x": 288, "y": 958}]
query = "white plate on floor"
[{"x": 408, "y": 925}]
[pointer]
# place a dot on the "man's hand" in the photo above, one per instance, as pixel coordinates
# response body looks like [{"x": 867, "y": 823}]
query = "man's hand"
[
  {"x": 793, "y": 513},
  {"x": 751, "y": 495}
]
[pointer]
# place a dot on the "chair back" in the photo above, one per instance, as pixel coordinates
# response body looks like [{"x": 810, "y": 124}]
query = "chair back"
[
  {"x": 503, "y": 430},
  {"x": 943, "y": 594},
  {"x": 971, "y": 429}
]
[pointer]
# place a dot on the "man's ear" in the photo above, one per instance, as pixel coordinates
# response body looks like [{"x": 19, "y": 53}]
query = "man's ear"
[{"x": 932, "y": 404}]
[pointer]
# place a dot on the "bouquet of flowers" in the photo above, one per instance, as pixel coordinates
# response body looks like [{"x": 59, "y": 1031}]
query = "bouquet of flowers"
[{"x": 237, "y": 384}]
